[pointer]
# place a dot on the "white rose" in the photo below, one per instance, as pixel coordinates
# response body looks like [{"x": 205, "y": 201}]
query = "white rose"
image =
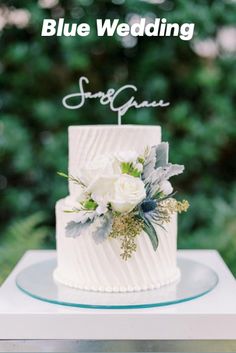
[
  {"x": 128, "y": 193},
  {"x": 100, "y": 166},
  {"x": 102, "y": 188},
  {"x": 127, "y": 156},
  {"x": 166, "y": 187}
]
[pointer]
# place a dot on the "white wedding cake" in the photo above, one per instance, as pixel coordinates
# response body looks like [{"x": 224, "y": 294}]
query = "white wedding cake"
[{"x": 117, "y": 229}]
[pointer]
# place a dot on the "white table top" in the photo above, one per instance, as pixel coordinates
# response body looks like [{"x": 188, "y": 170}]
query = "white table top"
[{"x": 212, "y": 316}]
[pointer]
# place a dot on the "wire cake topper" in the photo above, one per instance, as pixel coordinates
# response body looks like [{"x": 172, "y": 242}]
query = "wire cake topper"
[{"x": 110, "y": 98}]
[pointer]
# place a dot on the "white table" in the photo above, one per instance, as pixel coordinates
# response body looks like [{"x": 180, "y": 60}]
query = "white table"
[{"x": 204, "y": 324}]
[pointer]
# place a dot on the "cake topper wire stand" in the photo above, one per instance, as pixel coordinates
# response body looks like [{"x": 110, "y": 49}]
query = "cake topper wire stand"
[{"x": 196, "y": 280}]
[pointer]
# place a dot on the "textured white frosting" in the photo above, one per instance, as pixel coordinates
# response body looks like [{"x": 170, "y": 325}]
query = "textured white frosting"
[
  {"x": 84, "y": 264},
  {"x": 87, "y": 142}
]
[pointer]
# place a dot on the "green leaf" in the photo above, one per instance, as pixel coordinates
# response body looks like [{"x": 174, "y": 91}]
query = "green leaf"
[
  {"x": 141, "y": 160},
  {"x": 90, "y": 204},
  {"x": 70, "y": 211},
  {"x": 71, "y": 178},
  {"x": 135, "y": 173},
  {"x": 126, "y": 167},
  {"x": 150, "y": 230},
  {"x": 63, "y": 175}
]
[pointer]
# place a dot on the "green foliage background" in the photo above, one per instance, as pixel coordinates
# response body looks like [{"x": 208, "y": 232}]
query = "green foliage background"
[{"x": 36, "y": 72}]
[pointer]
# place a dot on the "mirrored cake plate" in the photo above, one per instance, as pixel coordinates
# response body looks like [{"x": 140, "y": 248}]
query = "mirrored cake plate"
[{"x": 196, "y": 280}]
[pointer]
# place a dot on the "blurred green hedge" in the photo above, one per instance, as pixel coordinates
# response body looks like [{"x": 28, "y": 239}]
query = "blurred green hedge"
[{"x": 36, "y": 72}]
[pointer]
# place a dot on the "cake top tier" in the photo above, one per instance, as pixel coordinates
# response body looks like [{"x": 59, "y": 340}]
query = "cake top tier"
[{"x": 89, "y": 141}]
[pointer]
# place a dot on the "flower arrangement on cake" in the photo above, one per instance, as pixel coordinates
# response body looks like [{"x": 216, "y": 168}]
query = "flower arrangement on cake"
[{"x": 121, "y": 195}]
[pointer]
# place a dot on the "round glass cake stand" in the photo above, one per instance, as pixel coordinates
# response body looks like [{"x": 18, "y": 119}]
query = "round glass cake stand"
[{"x": 196, "y": 280}]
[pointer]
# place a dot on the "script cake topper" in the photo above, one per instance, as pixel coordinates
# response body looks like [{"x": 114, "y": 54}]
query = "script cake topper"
[{"x": 110, "y": 98}]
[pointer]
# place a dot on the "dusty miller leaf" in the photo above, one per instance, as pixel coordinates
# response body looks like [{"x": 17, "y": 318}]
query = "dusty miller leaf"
[
  {"x": 161, "y": 174},
  {"x": 162, "y": 151},
  {"x": 74, "y": 229},
  {"x": 173, "y": 169},
  {"x": 158, "y": 157},
  {"x": 149, "y": 164},
  {"x": 103, "y": 228},
  {"x": 165, "y": 173}
]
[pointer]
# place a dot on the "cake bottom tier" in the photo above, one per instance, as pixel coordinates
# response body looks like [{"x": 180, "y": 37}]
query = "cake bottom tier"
[{"x": 84, "y": 264}]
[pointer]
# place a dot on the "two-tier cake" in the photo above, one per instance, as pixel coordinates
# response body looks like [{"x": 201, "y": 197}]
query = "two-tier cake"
[{"x": 117, "y": 229}]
